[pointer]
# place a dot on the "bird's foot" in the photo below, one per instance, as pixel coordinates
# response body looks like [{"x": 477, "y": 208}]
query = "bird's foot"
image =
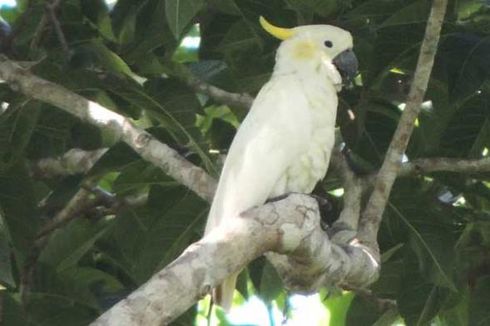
[
  {"x": 278, "y": 198},
  {"x": 342, "y": 233},
  {"x": 326, "y": 208}
]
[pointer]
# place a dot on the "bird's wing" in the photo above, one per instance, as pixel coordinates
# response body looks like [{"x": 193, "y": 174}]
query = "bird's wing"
[{"x": 274, "y": 133}]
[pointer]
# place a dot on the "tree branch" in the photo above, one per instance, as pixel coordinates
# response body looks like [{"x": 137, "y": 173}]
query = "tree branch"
[
  {"x": 42, "y": 25},
  {"x": 287, "y": 227},
  {"x": 372, "y": 215},
  {"x": 88, "y": 201},
  {"x": 345, "y": 227},
  {"x": 243, "y": 101},
  {"x": 71, "y": 210},
  {"x": 38, "y": 34},
  {"x": 381, "y": 303},
  {"x": 147, "y": 146},
  {"x": 51, "y": 12},
  {"x": 1, "y": 309},
  {"x": 74, "y": 161},
  {"x": 427, "y": 165}
]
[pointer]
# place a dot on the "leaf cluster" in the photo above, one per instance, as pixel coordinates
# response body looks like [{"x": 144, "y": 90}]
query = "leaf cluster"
[{"x": 136, "y": 57}]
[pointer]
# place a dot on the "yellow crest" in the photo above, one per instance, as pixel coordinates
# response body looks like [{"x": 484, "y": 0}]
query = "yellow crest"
[{"x": 278, "y": 32}]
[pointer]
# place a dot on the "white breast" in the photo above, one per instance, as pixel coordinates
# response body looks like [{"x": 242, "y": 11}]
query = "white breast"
[{"x": 310, "y": 167}]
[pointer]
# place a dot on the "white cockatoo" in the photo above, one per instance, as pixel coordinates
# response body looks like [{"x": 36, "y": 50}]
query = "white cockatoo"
[{"x": 284, "y": 143}]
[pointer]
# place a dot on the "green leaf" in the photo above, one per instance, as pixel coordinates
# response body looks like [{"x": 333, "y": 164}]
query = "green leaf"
[
  {"x": 339, "y": 307},
  {"x": 95, "y": 52},
  {"x": 479, "y": 314},
  {"x": 179, "y": 14},
  {"x": 414, "y": 13},
  {"x": 418, "y": 300},
  {"x": 375, "y": 11},
  {"x": 270, "y": 284},
  {"x": 142, "y": 30},
  {"x": 18, "y": 210},
  {"x": 226, "y": 6},
  {"x": 388, "y": 284},
  {"x": 56, "y": 132},
  {"x": 54, "y": 310},
  {"x": 159, "y": 232},
  {"x": 468, "y": 131},
  {"x": 240, "y": 37},
  {"x": 13, "y": 312},
  {"x": 67, "y": 246},
  {"x": 178, "y": 109},
  {"x": 85, "y": 286},
  {"x": 465, "y": 59},
  {"x": 6, "y": 277},
  {"x": 459, "y": 314},
  {"x": 98, "y": 14},
  {"x": 187, "y": 318},
  {"x": 17, "y": 125},
  {"x": 138, "y": 176},
  {"x": 390, "y": 49},
  {"x": 370, "y": 135},
  {"x": 116, "y": 158},
  {"x": 431, "y": 242},
  {"x": 360, "y": 312},
  {"x": 322, "y": 8}
]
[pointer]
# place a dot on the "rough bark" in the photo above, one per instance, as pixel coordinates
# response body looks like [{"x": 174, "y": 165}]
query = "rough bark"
[
  {"x": 372, "y": 215},
  {"x": 428, "y": 165},
  {"x": 243, "y": 101},
  {"x": 74, "y": 161},
  {"x": 304, "y": 256},
  {"x": 147, "y": 146}
]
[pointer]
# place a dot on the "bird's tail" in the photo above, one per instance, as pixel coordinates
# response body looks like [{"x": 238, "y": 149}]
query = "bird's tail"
[{"x": 223, "y": 293}]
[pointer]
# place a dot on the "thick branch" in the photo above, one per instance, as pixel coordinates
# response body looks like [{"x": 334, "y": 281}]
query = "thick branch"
[
  {"x": 288, "y": 227},
  {"x": 74, "y": 161},
  {"x": 372, "y": 215},
  {"x": 147, "y": 146},
  {"x": 427, "y": 165}
]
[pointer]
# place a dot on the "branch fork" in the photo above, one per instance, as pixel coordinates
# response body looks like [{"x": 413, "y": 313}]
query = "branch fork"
[{"x": 288, "y": 231}]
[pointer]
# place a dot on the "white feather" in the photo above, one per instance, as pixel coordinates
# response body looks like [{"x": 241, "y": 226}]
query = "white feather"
[{"x": 284, "y": 143}]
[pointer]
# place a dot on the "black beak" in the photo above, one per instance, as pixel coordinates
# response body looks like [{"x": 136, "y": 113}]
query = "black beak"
[{"x": 347, "y": 64}]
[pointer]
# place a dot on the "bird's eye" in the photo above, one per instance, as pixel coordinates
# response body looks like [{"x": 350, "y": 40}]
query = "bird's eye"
[{"x": 328, "y": 44}]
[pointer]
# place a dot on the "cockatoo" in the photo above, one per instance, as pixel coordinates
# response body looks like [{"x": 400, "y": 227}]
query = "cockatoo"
[{"x": 284, "y": 143}]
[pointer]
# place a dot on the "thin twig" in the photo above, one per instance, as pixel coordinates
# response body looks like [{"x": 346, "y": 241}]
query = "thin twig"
[
  {"x": 372, "y": 215},
  {"x": 381, "y": 304},
  {"x": 78, "y": 203},
  {"x": 345, "y": 227},
  {"x": 1, "y": 309},
  {"x": 86, "y": 201},
  {"x": 51, "y": 11},
  {"x": 41, "y": 27},
  {"x": 243, "y": 101},
  {"x": 38, "y": 34},
  {"x": 68, "y": 213},
  {"x": 143, "y": 143}
]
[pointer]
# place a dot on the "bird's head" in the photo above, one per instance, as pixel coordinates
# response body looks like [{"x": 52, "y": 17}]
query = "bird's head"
[{"x": 324, "y": 48}]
